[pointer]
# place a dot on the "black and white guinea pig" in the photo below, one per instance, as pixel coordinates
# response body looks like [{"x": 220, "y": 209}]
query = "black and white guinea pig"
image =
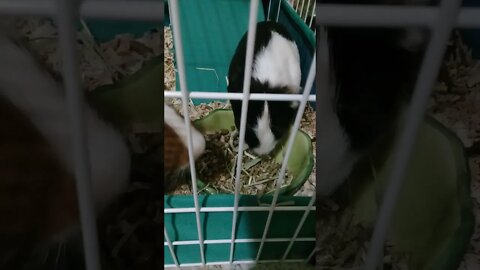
[
  {"x": 176, "y": 160},
  {"x": 276, "y": 69},
  {"x": 373, "y": 73},
  {"x": 38, "y": 205}
]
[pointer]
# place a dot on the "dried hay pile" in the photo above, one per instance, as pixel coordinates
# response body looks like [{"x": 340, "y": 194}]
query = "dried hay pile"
[{"x": 216, "y": 167}]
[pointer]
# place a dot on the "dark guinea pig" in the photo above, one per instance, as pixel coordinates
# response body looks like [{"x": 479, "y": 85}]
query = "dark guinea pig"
[{"x": 275, "y": 69}]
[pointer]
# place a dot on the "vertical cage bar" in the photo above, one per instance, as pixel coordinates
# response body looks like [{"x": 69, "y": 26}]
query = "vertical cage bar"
[
  {"x": 269, "y": 8},
  {"x": 68, "y": 16},
  {"x": 313, "y": 12},
  {"x": 306, "y": 12},
  {"x": 299, "y": 227},
  {"x": 252, "y": 29},
  {"x": 291, "y": 139},
  {"x": 311, "y": 255},
  {"x": 170, "y": 247},
  {"x": 185, "y": 100},
  {"x": 446, "y": 17},
  {"x": 278, "y": 10},
  {"x": 301, "y": 9}
]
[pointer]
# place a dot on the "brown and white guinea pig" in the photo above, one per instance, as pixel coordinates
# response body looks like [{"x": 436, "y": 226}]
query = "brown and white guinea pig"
[
  {"x": 373, "y": 73},
  {"x": 276, "y": 69},
  {"x": 38, "y": 200},
  {"x": 176, "y": 160}
]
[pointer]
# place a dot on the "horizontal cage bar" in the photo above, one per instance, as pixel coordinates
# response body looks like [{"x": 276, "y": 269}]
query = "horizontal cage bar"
[
  {"x": 233, "y": 262},
  {"x": 241, "y": 208},
  {"x": 389, "y": 16},
  {"x": 239, "y": 96},
  {"x": 247, "y": 240},
  {"x": 127, "y": 10}
]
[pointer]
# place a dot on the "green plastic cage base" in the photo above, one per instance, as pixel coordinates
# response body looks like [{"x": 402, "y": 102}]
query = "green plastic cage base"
[{"x": 250, "y": 225}]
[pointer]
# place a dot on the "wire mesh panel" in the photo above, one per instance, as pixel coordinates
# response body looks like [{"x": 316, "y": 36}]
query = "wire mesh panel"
[{"x": 238, "y": 228}]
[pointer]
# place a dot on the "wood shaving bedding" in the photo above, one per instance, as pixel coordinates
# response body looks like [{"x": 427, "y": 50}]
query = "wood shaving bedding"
[
  {"x": 100, "y": 64},
  {"x": 216, "y": 167},
  {"x": 456, "y": 104},
  {"x": 169, "y": 79}
]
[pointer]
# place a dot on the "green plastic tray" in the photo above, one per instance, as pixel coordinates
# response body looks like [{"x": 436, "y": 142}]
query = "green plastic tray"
[
  {"x": 250, "y": 225},
  {"x": 433, "y": 221}
]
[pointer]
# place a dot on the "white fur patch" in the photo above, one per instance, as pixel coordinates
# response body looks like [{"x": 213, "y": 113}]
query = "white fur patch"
[
  {"x": 40, "y": 97},
  {"x": 335, "y": 159},
  {"x": 177, "y": 123},
  {"x": 264, "y": 133},
  {"x": 412, "y": 39},
  {"x": 278, "y": 63}
]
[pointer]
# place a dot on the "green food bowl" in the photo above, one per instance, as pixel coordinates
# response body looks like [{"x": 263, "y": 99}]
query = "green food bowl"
[
  {"x": 300, "y": 164},
  {"x": 433, "y": 220}
]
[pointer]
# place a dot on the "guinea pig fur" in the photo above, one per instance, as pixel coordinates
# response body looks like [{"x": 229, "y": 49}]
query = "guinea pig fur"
[
  {"x": 276, "y": 69},
  {"x": 176, "y": 160},
  {"x": 38, "y": 202},
  {"x": 373, "y": 73}
]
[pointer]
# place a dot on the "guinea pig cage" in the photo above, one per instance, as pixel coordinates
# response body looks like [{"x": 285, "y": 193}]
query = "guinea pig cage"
[
  {"x": 248, "y": 215},
  {"x": 221, "y": 219},
  {"x": 419, "y": 237}
]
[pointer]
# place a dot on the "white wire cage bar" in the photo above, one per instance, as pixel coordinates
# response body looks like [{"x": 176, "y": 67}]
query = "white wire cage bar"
[
  {"x": 176, "y": 27},
  {"x": 240, "y": 209},
  {"x": 249, "y": 240},
  {"x": 67, "y": 15},
  {"x": 243, "y": 118},
  {"x": 388, "y": 16},
  {"x": 239, "y": 96},
  {"x": 245, "y": 97},
  {"x": 302, "y": 8},
  {"x": 103, "y": 9},
  {"x": 242, "y": 262}
]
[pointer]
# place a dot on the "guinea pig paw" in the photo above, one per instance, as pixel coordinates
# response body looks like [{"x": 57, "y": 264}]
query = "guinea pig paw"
[
  {"x": 294, "y": 104},
  {"x": 231, "y": 140}
]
